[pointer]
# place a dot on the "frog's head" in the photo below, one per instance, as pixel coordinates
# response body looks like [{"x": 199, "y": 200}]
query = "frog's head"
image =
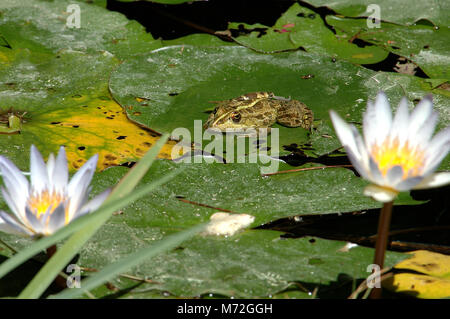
[
  {"x": 225, "y": 118},
  {"x": 238, "y": 113}
]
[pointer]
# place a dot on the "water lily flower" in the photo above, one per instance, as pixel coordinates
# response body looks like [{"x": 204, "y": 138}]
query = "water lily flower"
[
  {"x": 396, "y": 153},
  {"x": 48, "y": 201}
]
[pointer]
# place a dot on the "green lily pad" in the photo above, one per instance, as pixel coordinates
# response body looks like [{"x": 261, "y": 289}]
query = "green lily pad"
[
  {"x": 66, "y": 101},
  {"x": 401, "y": 12},
  {"x": 245, "y": 266},
  {"x": 41, "y": 26},
  {"x": 426, "y": 46},
  {"x": 199, "y": 39},
  {"x": 171, "y": 87},
  {"x": 302, "y": 27},
  {"x": 58, "y": 77},
  {"x": 252, "y": 264},
  {"x": 163, "y": 1},
  {"x": 204, "y": 189},
  {"x": 264, "y": 38}
]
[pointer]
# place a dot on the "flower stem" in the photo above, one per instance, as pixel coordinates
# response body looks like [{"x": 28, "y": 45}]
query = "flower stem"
[
  {"x": 59, "y": 280},
  {"x": 384, "y": 223},
  {"x": 51, "y": 251}
]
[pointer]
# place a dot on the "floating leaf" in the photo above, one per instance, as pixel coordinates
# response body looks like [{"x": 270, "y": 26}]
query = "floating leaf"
[
  {"x": 67, "y": 102},
  {"x": 302, "y": 27},
  {"x": 199, "y": 39},
  {"x": 433, "y": 282},
  {"x": 251, "y": 264},
  {"x": 204, "y": 189},
  {"x": 179, "y": 83},
  {"x": 41, "y": 25},
  {"x": 425, "y": 45},
  {"x": 163, "y": 1},
  {"x": 94, "y": 124},
  {"x": 401, "y": 12}
]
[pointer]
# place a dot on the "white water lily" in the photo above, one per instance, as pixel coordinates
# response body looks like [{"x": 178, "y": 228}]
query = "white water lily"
[
  {"x": 48, "y": 201},
  {"x": 396, "y": 153}
]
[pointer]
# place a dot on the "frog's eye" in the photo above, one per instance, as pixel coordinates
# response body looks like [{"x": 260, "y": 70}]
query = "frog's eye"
[{"x": 236, "y": 117}]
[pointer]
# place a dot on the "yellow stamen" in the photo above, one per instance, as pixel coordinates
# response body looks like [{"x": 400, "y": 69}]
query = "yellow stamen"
[
  {"x": 390, "y": 153},
  {"x": 39, "y": 203}
]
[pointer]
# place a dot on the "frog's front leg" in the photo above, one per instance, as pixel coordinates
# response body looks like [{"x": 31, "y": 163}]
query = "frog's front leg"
[
  {"x": 248, "y": 132},
  {"x": 14, "y": 125},
  {"x": 294, "y": 114}
]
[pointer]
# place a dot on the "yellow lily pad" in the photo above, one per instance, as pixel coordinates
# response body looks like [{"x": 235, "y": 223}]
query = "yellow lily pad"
[
  {"x": 431, "y": 279},
  {"x": 96, "y": 124},
  {"x": 65, "y": 100}
]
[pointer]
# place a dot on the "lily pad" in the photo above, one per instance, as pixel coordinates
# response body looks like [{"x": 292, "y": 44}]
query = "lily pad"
[
  {"x": 431, "y": 277},
  {"x": 66, "y": 101},
  {"x": 401, "y": 12},
  {"x": 74, "y": 92},
  {"x": 42, "y": 26},
  {"x": 252, "y": 264},
  {"x": 203, "y": 189},
  {"x": 163, "y": 1},
  {"x": 302, "y": 27},
  {"x": 426, "y": 46},
  {"x": 172, "y": 87},
  {"x": 199, "y": 39}
]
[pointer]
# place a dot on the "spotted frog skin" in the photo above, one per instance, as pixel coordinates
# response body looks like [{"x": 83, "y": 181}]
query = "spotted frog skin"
[{"x": 259, "y": 110}]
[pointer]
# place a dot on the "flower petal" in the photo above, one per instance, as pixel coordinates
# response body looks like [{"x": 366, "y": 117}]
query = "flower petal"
[
  {"x": 50, "y": 167},
  {"x": 400, "y": 123},
  {"x": 9, "y": 225},
  {"x": 39, "y": 173},
  {"x": 364, "y": 156},
  {"x": 420, "y": 115},
  {"x": 60, "y": 175},
  {"x": 377, "y": 120},
  {"x": 93, "y": 204},
  {"x": 375, "y": 175},
  {"x": 424, "y": 134},
  {"x": 32, "y": 221},
  {"x": 345, "y": 134},
  {"x": 358, "y": 165},
  {"x": 79, "y": 184},
  {"x": 394, "y": 175},
  {"x": 19, "y": 212},
  {"x": 380, "y": 194},
  {"x": 434, "y": 180},
  {"x": 15, "y": 182},
  {"x": 437, "y": 150},
  {"x": 57, "y": 219},
  {"x": 408, "y": 184}
]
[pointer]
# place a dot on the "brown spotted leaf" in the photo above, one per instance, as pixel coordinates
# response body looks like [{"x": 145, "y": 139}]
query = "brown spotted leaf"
[
  {"x": 64, "y": 100},
  {"x": 430, "y": 277}
]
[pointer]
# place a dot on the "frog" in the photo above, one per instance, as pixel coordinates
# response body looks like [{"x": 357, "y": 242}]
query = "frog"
[
  {"x": 14, "y": 125},
  {"x": 259, "y": 110}
]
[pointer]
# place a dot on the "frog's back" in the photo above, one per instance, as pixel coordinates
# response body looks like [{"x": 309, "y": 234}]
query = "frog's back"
[
  {"x": 294, "y": 113},
  {"x": 260, "y": 115}
]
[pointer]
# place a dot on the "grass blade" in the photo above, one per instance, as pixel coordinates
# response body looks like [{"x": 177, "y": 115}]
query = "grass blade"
[
  {"x": 134, "y": 259},
  {"x": 132, "y": 178},
  {"x": 50, "y": 270},
  {"x": 105, "y": 209}
]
